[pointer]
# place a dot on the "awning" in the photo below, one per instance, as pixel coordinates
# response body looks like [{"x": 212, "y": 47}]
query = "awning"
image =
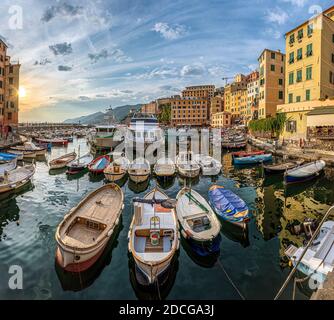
[{"x": 321, "y": 117}]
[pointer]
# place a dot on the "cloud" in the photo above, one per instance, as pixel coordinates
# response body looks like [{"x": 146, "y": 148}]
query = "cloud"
[
  {"x": 63, "y": 10},
  {"x": 83, "y": 98},
  {"x": 100, "y": 96},
  {"x": 169, "y": 88},
  {"x": 117, "y": 55},
  {"x": 127, "y": 91},
  {"x": 170, "y": 32},
  {"x": 61, "y": 49},
  {"x": 273, "y": 33},
  {"x": 192, "y": 70},
  {"x": 298, "y": 3},
  {"x": 42, "y": 62},
  {"x": 277, "y": 15},
  {"x": 64, "y": 68}
]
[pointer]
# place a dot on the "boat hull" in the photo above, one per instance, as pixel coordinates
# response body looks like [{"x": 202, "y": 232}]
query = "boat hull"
[
  {"x": 138, "y": 178},
  {"x": 112, "y": 177},
  {"x": 189, "y": 173},
  {"x": 292, "y": 180}
]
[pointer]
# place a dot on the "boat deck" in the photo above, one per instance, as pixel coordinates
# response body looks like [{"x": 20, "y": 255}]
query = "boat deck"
[{"x": 83, "y": 234}]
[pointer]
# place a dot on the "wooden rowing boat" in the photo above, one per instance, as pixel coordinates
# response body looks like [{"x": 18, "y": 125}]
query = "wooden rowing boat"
[
  {"x": 31, "y": 147},
  {"x": 164, "y": 167},
  {"x": 62, "y": 161},
  {"x": 305, "y": 172},
  {"x": 23, "y": 155},
  {"x": 253, "y": 159},
  {"x": 85, "y": 231},
  {"x": 139, "y": 170},
  {"x": 198, "y": 222},
  {"x": 281, "y": 167},
  {"x": 117, "y": 169},
  {"x": 247, "y": 153},
  {"x": 16, "y": 178},
  {"x": 80, "y": 164},
  {"x": 153, "y": 235},
  {"x": 7, "y": 165}
]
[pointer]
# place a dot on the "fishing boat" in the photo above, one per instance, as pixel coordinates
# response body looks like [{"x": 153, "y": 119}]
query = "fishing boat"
[
  {"x": 186, "y": 165},
  {"x": 54, "y": 142},
  {"x": 62, "y": 161},
  {"x": 139, "y": 170},
  {"x": 234, "y": 145},
  {"x": 23, "y": 155},
  {"x": 7, "y": 165},
  {"x": 7, "y": 156},
  {"x": 319, "y": 257},
  {"x": 117, "y": 169},
  {"x": 99, "y": 164},
  {"x": 305, "y": 172},
  {"x": 164, "y": 167},
  {"x": 229, "y": 206},
  {"x": 209, "y": 165},
  {"x": 153, "y": 235},
  {"x": 198, "y": 222},
  {"x": 86, "y": 229},
  {"x": 247, "y": 153},
  {"x": 31, "y": 147},
  {"x": 253, "y": 159},
  {"x": 79, "y": 164},
  {"x": 14, "y": 179},
  {"x": 281, "y": 167}
]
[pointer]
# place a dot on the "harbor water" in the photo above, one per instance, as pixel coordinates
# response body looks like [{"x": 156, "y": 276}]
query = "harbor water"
[{"x": 254, "y": 260}]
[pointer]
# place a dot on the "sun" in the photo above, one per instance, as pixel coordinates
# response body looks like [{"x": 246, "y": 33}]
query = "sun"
[{"x": 22, "y": 92}]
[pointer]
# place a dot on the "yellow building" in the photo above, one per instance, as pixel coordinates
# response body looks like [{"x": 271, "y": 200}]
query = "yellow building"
[
  {"x": 217, "y": 105},
  {"x": 309, "y": 72},
  {"x": 235, "y": 97},
  {"x": 201, "y": 91},
  {"x": 221, "y": 120},
  {"x": 150, "y": 108},
  {"x": 271, "y": 81},
  {"x": 189, "y": 111}
]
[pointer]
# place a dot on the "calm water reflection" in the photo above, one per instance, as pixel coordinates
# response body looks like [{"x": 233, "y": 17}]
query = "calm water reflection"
[{"x": 253, "y": 259}]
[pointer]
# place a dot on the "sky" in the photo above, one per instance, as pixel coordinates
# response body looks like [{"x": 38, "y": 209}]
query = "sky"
[{"x": 80, "y": 57}]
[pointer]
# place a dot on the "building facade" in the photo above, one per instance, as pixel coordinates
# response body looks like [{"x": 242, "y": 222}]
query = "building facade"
[
  {"x": 309, "y": 73},
  {"x": 217, "y": 105},
  {"x": 189, "y": 111},
  {"x": 221, "y": 120},
  {"x": 150, "y": 108},
  {"x": 252, "y": 96},
  {"x": 9, "y": 93},
  {"x": 201, "y": 91},
  {"x": 271, "y": 82}
]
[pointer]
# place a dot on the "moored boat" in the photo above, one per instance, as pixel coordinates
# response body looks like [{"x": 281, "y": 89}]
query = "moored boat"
[
  {"x": 54, "y": 142},
  {"x": 15, "y": 179},
  {"x": 318, "y": 260},
  {"x": 139, "y": 170},
  {"x": 186, "y": 165},
  {"x": 23, "y": 155},
  {"x": 247, "y": 153},
  {"x": 253, "y": 159},
  {"x": 7, "y": 165},
  {"x": 209, "y": 165},
  {"x": 62, "y": 161},
  {"x": 305, "y": 172},
  {"x": 30, "y": 147},
  {"x": 281, "y": 167},
  {"x": 229, "y": 206},
  {"x": 86, "y": 229},
  {"x": 117, "y": 169},
  {"x": 153, "y": 235},
  {"x": 164, "y": 167},
  {"x": 198, "y": 222},
  {"x": 99, "y": 164},
  {"x": 80, "y": 164}
]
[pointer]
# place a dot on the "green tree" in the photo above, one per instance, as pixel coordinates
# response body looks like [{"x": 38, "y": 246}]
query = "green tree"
[
  {"x": 274, "y": 125},
  {"x": 165, "y": 115}
]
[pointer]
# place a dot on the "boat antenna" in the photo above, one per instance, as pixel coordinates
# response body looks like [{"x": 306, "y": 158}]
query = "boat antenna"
[{"x": 78, "y": 153}]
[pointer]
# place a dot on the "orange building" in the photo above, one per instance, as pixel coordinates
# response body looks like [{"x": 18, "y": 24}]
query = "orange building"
[
  {"x": 217, "y": 105},
  {"x": 201, "y": 91},
  {"x": 189, "y": 111},
  {"x": 150, "y": 108},
  {"x": 9, "y": 92}
]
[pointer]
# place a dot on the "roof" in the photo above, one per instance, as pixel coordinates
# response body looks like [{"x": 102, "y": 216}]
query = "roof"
[
  {"x": 275, "y": 51},
  {"x": 3, "y": 42},
  {"x": 321, "y": 111},
  {"x": 324, "y": 13}
]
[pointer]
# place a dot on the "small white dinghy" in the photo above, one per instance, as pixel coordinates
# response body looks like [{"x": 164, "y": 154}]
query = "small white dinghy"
[
  {"x": 16, "y": 178},
  {"x": 117, "y": 169},
  {"x": 197, "y": 219},
  {"x": 164, "y": 167},
  {"x": 153, "y": 235},
  {"x": 139, "y": 170},
  {"x": 186, "y": 165},
  {"x": 209, "y": 165},
  {"x": 319, "y": 257},
  {"x": 86, "y": 229}
]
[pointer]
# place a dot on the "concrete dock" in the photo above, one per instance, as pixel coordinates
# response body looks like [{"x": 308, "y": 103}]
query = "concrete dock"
[{"x": 327, "y": 291}]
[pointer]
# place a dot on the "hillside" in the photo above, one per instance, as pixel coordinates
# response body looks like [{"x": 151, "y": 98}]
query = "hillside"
[{"x": 99, "y": 117}]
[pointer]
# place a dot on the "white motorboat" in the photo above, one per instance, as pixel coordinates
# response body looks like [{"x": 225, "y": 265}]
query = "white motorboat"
[
  {"x": 186, "y": 165},
  {"x": 209, "y": 165},
  {"x": 139, "y": 170},
  {"x": 164, "y": 167}
]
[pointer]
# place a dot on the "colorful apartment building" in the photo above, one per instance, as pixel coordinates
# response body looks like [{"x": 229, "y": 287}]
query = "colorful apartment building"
[
  {"x": 309, "y": 76},
  {"x": 200, "y": 91},
  {"x": 271, "y": 82},
  {"x": 9, "y": 92},
  {"x": 235, "y": 98},
  {"x": 150, "y": 108},
  {"x": 189, "y": 111},
  {"x": 221, "y": 120},
  {"x": 217, "y": 105},
  {"x": 252, "y": 96}
]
